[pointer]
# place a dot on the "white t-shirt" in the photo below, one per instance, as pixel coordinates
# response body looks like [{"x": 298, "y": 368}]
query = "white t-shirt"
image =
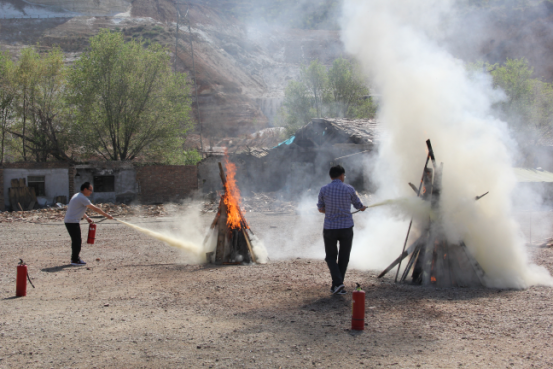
[{"x": 76, "y": 208}]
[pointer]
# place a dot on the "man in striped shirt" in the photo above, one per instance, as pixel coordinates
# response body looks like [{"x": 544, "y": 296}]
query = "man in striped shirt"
[{"x": 335, "y": 200}]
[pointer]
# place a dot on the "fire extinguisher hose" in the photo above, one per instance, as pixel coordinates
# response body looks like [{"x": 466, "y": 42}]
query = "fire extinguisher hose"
[
  {"x": 21, "y": 262},
  {"x": 29, "y": 278}
]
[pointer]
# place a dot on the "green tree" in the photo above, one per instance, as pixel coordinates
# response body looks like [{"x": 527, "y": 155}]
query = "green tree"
[
  {"x": 514, "y": 77},
  {"x": 346, "y": 88},
  {"x": 340, "y": 92},
  {"x": 192, "y": 157},
  {"x": 315, "y": 80},
  {"x": 528, "y": 107},
  {"x": 26, "y": 81},
  {"x": 128, "y": 101},
  {"x": 7, "y": 97},
  {"x": 42, "y": 123},
  {"x": 297, "y": 107}
]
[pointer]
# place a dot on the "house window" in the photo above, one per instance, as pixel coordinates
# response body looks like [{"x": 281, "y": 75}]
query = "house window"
[
  {"x": 37, "y": 182},
  {"x": 104, "y": 184}
]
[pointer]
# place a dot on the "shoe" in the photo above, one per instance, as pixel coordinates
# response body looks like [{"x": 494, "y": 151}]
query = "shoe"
[
  {"x": 78, "y": 262},
  {"x": 338, "y": 289},
  {"x": 342, "y": 292}
]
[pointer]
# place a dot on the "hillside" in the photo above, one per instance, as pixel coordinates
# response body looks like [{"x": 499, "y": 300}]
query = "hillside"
[
  {"x": 241, "y": 71},
  {"x": 246, "y": 51}
]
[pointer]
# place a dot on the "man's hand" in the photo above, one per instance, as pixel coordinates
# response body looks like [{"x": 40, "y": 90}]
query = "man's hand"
[
  {"x": 90, "y": 221},
  {"x": 322, "y": 210},
  {"x": 99, "y": 211},
  {"x": 363, "y": 208}
]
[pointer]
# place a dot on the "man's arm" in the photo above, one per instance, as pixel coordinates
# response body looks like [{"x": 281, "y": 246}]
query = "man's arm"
[
  {"x": 321, "y": 203},
  {"x": 99, "y": 211},
  {"x": 356, "y": 201}
]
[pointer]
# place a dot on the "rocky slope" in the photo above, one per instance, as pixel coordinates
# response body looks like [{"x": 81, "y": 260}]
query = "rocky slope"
[
  {"x": 241, "y": 69},
  {"x": 243, "y": 66}
]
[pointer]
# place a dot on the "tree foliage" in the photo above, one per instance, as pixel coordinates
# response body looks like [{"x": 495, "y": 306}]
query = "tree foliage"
[
  {"x": 41, "y": 112},
  {"x": 528, "y": 107},
  {"x": 128, "y": 102},
  {"x": 7, "y": 97},
  {"x": 119, "y": 101},
  {"x": 340, "y": 91}
]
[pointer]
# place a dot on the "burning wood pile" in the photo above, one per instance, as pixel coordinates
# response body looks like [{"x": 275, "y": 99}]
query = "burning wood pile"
[
  {"x": 433, "y": 260},
  {"x": 230, "y": 229}
]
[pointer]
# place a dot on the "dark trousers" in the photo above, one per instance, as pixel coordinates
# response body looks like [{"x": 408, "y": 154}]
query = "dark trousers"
[
  {"x": 74, "y": 230},
  {"x": 337, "y": 261}
]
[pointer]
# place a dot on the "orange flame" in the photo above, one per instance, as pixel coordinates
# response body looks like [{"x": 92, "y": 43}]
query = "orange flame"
[
  {"x": 433, "y": 279},
  {"x": 232, "y": 196}
]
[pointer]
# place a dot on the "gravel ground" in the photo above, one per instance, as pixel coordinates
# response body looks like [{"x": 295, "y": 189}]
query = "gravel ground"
[{"x": 138, "y": 305}]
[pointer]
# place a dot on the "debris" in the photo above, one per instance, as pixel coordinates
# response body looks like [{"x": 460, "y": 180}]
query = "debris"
[
  {"x": 58, "y": 213},
  {"x": 272, "y": 202}
]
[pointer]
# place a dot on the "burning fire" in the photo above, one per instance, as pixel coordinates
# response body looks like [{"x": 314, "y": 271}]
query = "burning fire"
[{"x": 232, "y": 196}]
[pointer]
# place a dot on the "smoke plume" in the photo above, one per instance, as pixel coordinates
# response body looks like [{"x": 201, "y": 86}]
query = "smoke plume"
[
  {"x": 428, "y": 93},
  {"x": 187, "y": 234}
]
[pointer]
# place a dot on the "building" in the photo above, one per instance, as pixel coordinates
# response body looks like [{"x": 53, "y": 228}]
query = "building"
[{"x": 115, "y": 182}]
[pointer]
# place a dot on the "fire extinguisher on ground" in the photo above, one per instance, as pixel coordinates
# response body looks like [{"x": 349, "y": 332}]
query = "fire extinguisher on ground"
[
  {"x": 358, "y": 309},
  {"x": 91, "y": 233},
  {"x": 21, "y": 280}
]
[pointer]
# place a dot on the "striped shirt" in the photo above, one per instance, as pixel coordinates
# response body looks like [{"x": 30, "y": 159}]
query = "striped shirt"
[{"x": 336, "y": 199}]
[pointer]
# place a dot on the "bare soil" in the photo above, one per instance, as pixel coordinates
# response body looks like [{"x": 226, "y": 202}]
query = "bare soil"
[{"x": 137, "y": 305}]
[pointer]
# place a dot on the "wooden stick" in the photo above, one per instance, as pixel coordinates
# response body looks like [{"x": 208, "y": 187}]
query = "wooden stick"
[
  {"x": 411, "y": 222},
  {"x": 249, "y": 244},
  {"x": 403, "y": 255},
  {"x": 218, "y": 215},
  {"x": 429, "y": 156},
  {"x": 222, "y": 174}
]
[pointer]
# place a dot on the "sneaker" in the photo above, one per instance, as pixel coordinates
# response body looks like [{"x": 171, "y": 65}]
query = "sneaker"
[
  {"x": 338, "y": 289},
  {"x": 342, "y": 292},
  {"x": 78, "y": 262}
]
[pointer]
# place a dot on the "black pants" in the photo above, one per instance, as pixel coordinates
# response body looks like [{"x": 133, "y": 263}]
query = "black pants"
[
  {"x": 74, "y": 230},
  {"x": 331, "y": 239}
]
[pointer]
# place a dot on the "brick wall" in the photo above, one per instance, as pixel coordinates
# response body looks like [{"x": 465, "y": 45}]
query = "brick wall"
[{"x": 166, "y": 183}]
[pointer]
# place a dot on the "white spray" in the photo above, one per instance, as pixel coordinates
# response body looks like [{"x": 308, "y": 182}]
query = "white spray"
[{"x": 427, "y": 93}]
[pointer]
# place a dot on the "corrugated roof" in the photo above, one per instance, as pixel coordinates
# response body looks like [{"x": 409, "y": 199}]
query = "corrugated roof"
[{"x": 533, "y": 175}]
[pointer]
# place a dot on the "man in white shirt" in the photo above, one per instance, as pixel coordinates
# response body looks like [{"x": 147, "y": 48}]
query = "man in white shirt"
[{"x": 75, "y": 212}]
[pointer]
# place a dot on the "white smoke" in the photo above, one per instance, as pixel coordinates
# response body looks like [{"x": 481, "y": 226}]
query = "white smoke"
[
  {"x": 259, "y": 249},
  {"x": 427, "y": 93}
]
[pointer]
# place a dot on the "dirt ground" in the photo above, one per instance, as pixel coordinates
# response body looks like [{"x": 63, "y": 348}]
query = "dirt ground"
[{"x": 137, "y": 305}]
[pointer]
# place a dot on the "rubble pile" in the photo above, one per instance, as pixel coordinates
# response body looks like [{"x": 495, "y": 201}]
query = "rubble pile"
[
  {"x": 259, "y": 202},
  {"x": 548, "y": 242},
  {"x": 266, "y": 202},
  {"x": 56, "y": 214}
]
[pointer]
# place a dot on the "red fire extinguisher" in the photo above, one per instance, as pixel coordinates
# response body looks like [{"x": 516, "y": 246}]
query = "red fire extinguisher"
[
  {"x": 91, "y": 233},
  {"x": 21, "y": 280},
  {"x": 358, "y": 309}
]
